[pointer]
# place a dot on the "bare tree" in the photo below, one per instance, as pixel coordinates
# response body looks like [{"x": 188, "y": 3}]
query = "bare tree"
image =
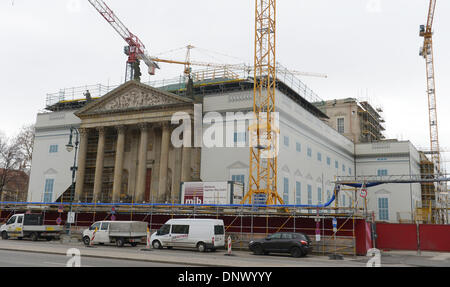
[
  {"x": 24, "y": 142},
  {"x": 10, "y": 160}
]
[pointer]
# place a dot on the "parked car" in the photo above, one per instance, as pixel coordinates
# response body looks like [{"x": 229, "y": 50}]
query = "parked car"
[
  {"x": 119, "y": 232},
  {"x": 202, "y": 234},
  {"x": 297, "y": 244}
]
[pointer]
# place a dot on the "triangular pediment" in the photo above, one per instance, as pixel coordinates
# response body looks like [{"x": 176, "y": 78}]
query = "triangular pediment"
[{"x": 132, "y": 96}]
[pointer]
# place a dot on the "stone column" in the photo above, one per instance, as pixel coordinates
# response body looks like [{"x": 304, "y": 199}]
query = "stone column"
[
  {"x": 186, "y": 165},
  {"x": 118, "y": 165},
  {"x": 186, "y": 162},
  {"x": 163, "y": 164},
  {"x": 98, "y": 180},
  {"x": 142, "y": 163},
  {"x": 81, "y": 171}
]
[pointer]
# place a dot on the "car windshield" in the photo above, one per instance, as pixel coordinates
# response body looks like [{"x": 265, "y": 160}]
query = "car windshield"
[{"x": 94, "y": 226}]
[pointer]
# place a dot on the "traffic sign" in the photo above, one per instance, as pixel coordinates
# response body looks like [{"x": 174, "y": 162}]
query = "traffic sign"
[
  {"x": 71, "y": 217},
  {"x": 363, "y": 193},
  {"x": 61, "y": 208},
  {"x": 334, "y": 225},
  {"x": 113, "y": 210},
  {"x": 58, "y": 220}
]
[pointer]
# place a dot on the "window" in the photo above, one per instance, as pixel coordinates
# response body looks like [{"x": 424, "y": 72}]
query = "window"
[
  {"x": 383, "y": 208},
  {"x": 240, "y": 137},
  {"x": 340, "y": 125},
  {"x": 328, "y": 160},
  {"x": 319, "y": 195},
  {"x": 180, "y": 229},
  {"x": 350, "y": 171},
  {"x": 95, "y": 226},
  {"x": 286, "y": 190},
  {"x": 343, "y": 200},
  {"x": 286, "y": 140},
  {"x": 343, "y": 167},
  {"x": 298, "y": 147},
  {"x": 382, "y": 172},
  {"x": 309, "y": 152},
  {"x": 53, "y": 149},
  {"x": 298, "y": 193},
  {"x": 19, "y": 219},
  {"x": 238, "y": 178},
  {"x": 328, "y": 195},
  {"x": 48, "y": 190},
  {"x": 286, "y": 236},
  {"x": 219, "y": 230},
  {"x": 165, "y": 229},
  {"x": 309, "y": 194},
  {"x": 336, "y": 164},
  {"x": 275, "y": 236},
  {"x": 105, "y": 226},
  {"x": 319, "y": 156}
]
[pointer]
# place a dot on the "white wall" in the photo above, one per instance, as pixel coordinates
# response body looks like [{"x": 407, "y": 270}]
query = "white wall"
[
  {"x": 398, "y": 158},
  {"x": 51, "y": 129},
  {"x": 300, "y": 126}
]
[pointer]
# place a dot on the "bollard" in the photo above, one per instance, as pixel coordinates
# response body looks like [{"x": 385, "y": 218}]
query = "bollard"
[
  {"x": 229, "y": 252},
  {"x": 147, "y": 247}
]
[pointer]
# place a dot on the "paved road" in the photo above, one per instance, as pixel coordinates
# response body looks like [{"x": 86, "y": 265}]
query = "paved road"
[
  {"x": 32, "y": 259},
  {"x": 54, "y": 253},
  {"x": 182, "y": 258}
]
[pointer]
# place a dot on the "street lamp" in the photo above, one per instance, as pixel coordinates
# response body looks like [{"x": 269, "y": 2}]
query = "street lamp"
[{"x": 69, "y": 148}]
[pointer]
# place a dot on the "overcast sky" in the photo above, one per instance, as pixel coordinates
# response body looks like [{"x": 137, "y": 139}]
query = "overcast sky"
[{"x": 369, "y": 48}]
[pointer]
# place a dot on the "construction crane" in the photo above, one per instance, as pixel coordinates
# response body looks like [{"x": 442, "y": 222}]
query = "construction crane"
[
  {"x": 135, "y": 50},
  {"x": 264, "y": 132},
  {"x": 427, "y": 52},
  {"x": 188, "y": 63}
]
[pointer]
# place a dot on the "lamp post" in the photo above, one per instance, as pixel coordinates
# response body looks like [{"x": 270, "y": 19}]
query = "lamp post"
[{"x": 69, "y": 148}]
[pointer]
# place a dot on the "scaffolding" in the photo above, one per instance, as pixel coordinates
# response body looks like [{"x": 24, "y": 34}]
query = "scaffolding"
[
  {"x": 243, "y": 222},
  {"x": 370, "y": 123}
]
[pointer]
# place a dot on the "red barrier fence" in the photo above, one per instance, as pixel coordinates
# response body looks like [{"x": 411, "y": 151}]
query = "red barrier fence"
[{"x": 426, "y": 237}]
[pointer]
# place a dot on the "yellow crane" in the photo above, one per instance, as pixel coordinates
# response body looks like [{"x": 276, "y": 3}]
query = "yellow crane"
[
  {"x": 264, "y": 131},
  {"x": 250, "y": 69},
  {"x": 427, "y": 52}
]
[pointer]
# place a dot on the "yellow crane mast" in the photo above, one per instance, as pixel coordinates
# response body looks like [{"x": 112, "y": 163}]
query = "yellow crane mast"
[
  {"x": 264, "y": 132},
  {"x": 427, "y": 52}
]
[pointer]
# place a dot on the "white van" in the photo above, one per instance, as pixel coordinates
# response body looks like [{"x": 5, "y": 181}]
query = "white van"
[{"x": 202, "y": 234}]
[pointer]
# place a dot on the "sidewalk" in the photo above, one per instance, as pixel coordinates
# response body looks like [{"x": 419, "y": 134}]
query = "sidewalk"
[{"x": 189, "y": 258}]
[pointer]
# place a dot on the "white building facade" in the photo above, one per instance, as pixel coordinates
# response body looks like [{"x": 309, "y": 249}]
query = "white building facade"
[
  {"x": 50, "y": 169},
  {"x": 390, "y": 202}
]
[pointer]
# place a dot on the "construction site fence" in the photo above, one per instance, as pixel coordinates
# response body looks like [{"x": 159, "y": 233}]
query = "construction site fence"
[{"x": 243, "y": 222}]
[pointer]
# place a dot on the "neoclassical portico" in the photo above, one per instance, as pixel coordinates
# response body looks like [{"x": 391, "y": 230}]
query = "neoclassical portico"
[{"x": 126, "y": 152}]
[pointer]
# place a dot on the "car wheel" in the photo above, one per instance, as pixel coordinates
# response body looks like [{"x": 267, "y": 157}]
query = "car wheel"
[
  {"x": 296, "y": 252},
  {"x": 156, "y": 244},
  {"x": 258, "y": 250},
  {"x": 120, "y": 242},
  {"x": 4, "y": 235},
  {"x": 86, "y": 240},
  {"x": 201, "y": 247},
  {"x": 34, "y": 236}
]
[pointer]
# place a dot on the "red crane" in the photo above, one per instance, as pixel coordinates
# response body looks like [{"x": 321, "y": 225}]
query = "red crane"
[{"x": 135, "y": 50}]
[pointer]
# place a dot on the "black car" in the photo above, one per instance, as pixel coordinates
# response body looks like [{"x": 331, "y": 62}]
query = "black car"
[{"x": 297, "y": 244}]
